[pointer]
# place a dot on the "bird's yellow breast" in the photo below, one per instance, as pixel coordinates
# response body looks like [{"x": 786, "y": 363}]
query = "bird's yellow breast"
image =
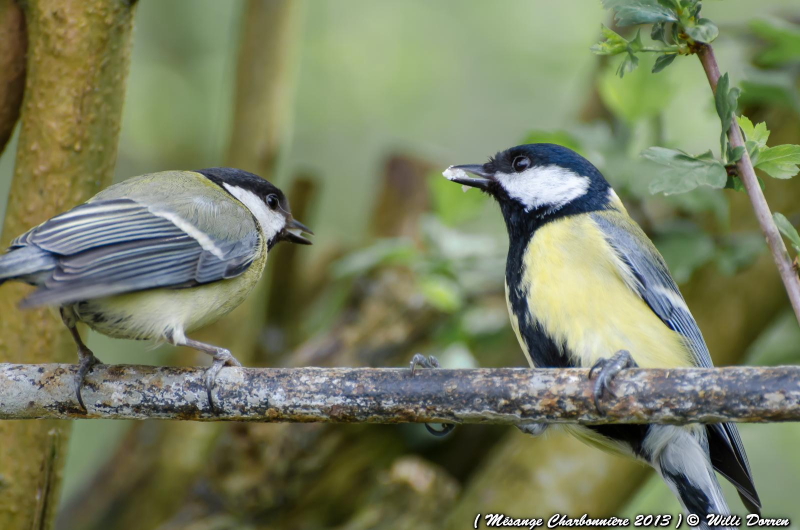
[{"x": 580, "y": 294}]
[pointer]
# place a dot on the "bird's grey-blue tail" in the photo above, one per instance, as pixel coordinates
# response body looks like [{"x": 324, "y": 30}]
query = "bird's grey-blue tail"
[
  {"x": 26, "y": 264},
  {"x": 682, "y": 458}
]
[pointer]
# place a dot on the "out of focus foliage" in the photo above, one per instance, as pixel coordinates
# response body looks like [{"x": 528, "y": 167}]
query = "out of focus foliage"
[{"x": 449, "y": 89}]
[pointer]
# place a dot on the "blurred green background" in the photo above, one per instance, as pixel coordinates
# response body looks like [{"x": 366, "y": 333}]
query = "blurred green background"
[{"x": 452, "y": 82}]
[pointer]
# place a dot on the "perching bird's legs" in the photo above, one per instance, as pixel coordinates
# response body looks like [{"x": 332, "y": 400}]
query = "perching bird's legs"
[
  {"x": 430, "y": 362},
  {"x": 222, "y": 357},
  {"x": 426, "y": 362},
  {"x": 609, "y": 368},
  {"x": 86, "y": 358}
]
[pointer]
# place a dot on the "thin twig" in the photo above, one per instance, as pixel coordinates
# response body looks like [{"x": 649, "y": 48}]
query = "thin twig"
[
  {"x": 748, "y": 175},
  {"x": 354, "y": 395}
]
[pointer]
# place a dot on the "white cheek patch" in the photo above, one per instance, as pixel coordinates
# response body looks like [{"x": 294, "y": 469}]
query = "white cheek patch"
[
  {"x": 271, "y": 222},
  {"x": 544, "y": 187}
]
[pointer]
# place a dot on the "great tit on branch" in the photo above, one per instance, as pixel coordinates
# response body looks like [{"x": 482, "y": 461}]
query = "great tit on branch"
[
  {"x": 586, "y": 287},
  {"x": 155, "y": 257}
]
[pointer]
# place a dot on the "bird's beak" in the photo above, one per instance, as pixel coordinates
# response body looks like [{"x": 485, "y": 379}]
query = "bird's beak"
[
  {"x": 459, "y": 174},
  {"x": 293, "y": 232}
]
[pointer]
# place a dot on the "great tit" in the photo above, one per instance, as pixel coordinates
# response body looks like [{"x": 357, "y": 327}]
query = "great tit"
[
  {"x": 155, "y": 257},
  {"x": 586, "y": 287}
]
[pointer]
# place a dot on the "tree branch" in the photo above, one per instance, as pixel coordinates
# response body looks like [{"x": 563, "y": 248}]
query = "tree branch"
[
  {"x": 790, "y": 279},
  {"x": 357, "y": 395}
]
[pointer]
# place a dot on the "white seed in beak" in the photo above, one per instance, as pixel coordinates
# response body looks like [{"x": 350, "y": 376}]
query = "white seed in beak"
[{"x": 452, "y": 173}]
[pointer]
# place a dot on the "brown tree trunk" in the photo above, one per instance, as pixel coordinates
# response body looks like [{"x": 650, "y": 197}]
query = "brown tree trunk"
[
  {"x": 13, "y": 48},
  {"x": 265, "y": 84},
  {"x": 78, "y": 57},
  {"x": 157, "y": 463}
]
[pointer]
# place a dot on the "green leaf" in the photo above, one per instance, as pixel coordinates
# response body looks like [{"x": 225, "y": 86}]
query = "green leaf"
[
  {"x": 725, "y": 100},
  {"x": 450, "y": 203},
  {"x": 734, "y": 183},
  {"x": 758, "y": 133},
  {"x": 671, "y": 4},
  {"x": 780, "y": 162},
  {"x": 783, "y": 39},
  {"x": 614, "y": 44},
  {"x": 703, "y": 31},
  {"x": 787, "y": 230},
  {"x": 683, "y": 172},
  {"x": 636, "y": 42},
  {"x": 632, "y": 12},
  {"x": 628, "y": 64},
  {"x": 755, "y": 136},
  {"x": 692, "y": 6},
  {"x": 659, "y": 32},
  {"x": 735, "y": 154},
  {"x": 663, "y": 61}
]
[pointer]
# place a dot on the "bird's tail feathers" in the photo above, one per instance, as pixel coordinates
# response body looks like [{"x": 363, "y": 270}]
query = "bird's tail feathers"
[
  {"x": 684, "y": 464},
  {"x": 25, "y": 263}
]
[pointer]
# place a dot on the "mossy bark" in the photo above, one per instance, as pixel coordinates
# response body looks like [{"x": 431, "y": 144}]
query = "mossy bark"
[
  {"x": 13, "y": 48},
  {"x": 158, "y": 463},
  {"x": 78, "y": 57},
  {"x": 265, "y": 84}
]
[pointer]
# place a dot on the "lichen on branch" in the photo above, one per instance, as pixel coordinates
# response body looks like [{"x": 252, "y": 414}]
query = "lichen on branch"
[{"x": 371, "y": 395}]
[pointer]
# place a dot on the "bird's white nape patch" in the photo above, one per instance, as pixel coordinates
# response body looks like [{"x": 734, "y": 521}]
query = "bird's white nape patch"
[
  {"x": 271, "y": 221},
  {"x": 544, "y": 186}
]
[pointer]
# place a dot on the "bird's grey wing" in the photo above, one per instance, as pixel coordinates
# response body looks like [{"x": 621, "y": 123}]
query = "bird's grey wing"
[
  {"x": 114, "y": 246},
  {"x": 654, "y": 282},
  {"x": 658, "y": 289}
]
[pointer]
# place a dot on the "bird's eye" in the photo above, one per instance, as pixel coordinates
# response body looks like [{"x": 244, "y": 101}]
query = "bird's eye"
[
  {"x": 521, "y": 163},
  {"x": 272, "y": 201}
]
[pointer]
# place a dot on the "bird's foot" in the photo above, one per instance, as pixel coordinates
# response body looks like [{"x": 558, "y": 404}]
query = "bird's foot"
[
  {"x": 534, "y": 429},
  {"x": 222, "y": 358},
  {"x": 608, "y": 370},
  {"x": 85, "y": 364},
  {"x": 426, "y": 362},
  {"x": 430, "y": 362}
]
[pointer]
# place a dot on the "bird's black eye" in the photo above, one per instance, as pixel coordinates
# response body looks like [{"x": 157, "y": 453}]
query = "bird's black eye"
[
  {"x": 521, "y": 163},
  {"x": 272, "y": 201}
]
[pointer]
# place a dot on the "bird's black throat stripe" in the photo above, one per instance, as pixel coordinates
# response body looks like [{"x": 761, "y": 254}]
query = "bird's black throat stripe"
[
  {"x": 522, "y": 227},
  {"x": 546, "y": 352}
]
